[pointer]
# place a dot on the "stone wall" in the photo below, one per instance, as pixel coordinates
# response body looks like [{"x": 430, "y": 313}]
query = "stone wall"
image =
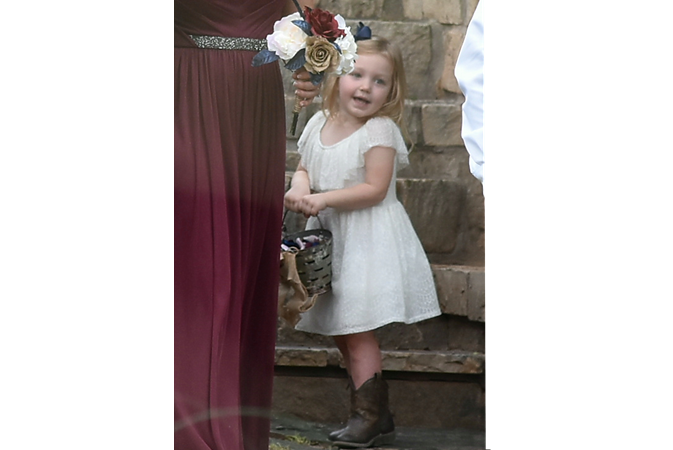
[
  {"x": 438, "y": 363},
  {"x": 430, "y": 34}
]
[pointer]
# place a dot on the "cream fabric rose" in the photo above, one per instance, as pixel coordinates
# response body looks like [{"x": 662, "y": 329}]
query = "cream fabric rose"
[
  {"x": 321, "y": 55},
  {"x": 287, "y": 38}
]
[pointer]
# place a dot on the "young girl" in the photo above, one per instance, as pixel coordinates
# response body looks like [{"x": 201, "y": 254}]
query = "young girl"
[{"x": 349, "y": 154}]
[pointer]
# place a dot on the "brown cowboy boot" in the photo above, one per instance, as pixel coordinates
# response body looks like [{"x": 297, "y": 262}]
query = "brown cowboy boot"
[
  {"x": 351, "y": 387},
  {"x": 371, "y": 422}
]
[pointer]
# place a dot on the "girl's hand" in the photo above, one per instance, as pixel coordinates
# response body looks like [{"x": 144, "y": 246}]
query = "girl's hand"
[
  {"x": 294, "y": 196},
  {"x": 304, "y": 88},
  {"x": 312, "y": 204}
]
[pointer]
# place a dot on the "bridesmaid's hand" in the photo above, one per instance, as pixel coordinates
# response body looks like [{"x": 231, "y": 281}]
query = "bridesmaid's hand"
[{"x": 304, "y": 88}]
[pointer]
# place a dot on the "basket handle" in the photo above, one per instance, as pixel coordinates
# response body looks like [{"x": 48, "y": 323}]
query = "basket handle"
[
  {"x": 317, "y": 216},
  {"x": 289, "y": 185}
]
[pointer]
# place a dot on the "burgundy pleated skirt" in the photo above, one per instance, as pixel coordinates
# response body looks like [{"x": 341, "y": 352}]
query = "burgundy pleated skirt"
[{"x": 229, "y": 174}]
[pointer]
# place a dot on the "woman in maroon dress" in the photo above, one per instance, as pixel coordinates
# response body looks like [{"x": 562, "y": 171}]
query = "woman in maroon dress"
[{"x": 229, "y": 173}]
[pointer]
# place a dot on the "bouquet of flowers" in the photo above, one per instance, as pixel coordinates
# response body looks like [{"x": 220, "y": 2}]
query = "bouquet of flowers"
[{"x": 314, "y": 39}]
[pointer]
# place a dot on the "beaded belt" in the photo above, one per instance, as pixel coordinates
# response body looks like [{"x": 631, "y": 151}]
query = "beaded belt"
[{"x": 229, "y": 43}]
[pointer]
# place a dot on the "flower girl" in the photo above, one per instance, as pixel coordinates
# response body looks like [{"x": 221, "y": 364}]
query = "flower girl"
[{"x": 350, "y": 153}]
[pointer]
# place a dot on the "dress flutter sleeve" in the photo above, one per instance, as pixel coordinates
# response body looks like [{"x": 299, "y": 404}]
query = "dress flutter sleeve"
[
  {"x": 312, "y": 127},
  {"x": 383, "y": 132}
]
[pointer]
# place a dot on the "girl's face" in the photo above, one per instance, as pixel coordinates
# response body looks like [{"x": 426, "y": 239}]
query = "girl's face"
[{"x": 365, "y": 90}]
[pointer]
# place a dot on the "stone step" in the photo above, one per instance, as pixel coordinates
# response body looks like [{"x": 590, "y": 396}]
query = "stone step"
[
  {"x": 443, "y": 333},
  {"x": 461, "y": 290},
  {"x": 448, "y": 361},
  {"x": 448, "y": 221},
  {"x": 290, "y": 432},
  {"x": 458, "y": 332},
  {"x": 448, "y": 401}
]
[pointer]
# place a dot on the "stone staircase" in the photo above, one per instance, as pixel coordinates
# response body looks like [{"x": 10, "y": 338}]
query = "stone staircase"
[{"x": 436, "y": 367}]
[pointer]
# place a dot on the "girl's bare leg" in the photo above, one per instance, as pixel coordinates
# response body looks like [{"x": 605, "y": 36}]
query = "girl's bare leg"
[
  {"x": 340, "y": 342},
  {"x": 362, "y": 355}
]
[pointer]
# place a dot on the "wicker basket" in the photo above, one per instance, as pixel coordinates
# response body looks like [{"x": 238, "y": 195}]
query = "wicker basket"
[{"x": 314, "y": 264}]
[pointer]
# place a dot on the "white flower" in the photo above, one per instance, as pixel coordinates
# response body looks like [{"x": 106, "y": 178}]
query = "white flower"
[
  {"x": 341, "y": 22},
  {"x": 348, "y": 48},
  {"x": 287, "y": 38}
]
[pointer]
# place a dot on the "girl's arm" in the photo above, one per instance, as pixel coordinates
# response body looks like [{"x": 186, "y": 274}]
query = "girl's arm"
[
  {"x": 379, "y": 166},
  {"x": 300, "y": 188}
]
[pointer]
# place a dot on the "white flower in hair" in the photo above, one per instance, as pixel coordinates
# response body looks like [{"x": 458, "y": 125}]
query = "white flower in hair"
[{"x": 348, "y": 48}]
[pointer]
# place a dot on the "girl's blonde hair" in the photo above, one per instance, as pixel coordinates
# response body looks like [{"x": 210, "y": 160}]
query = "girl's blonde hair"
[{"x": 394, "y": 106}]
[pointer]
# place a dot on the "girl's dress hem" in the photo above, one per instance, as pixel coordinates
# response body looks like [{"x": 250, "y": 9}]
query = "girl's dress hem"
[{"x": 363, "y": 329}]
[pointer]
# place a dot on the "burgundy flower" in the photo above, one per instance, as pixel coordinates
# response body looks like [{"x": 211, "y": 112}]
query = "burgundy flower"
[{"x": 323, "y": 24}]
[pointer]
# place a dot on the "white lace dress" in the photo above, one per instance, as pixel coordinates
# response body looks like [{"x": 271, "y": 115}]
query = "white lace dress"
[{"x": 380, "y": 273}]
